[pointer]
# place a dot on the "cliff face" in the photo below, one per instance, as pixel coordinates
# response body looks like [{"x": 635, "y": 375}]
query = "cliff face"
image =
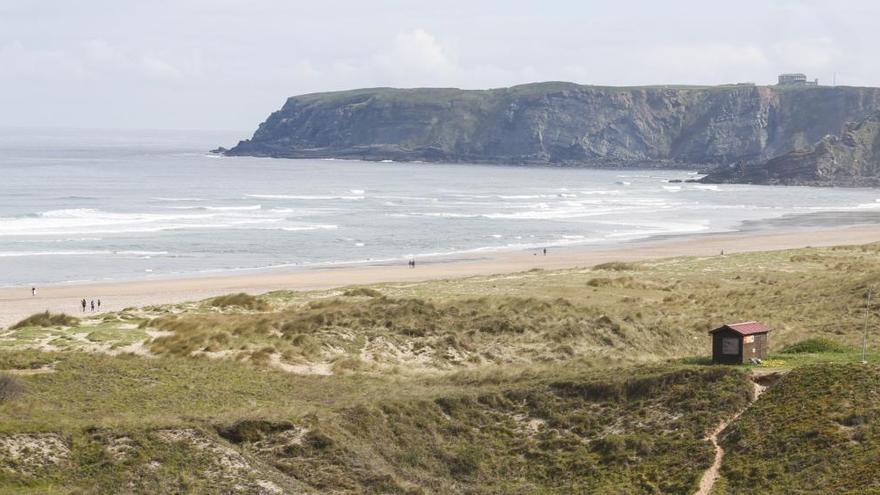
[
  {"x": 850, "y": 159},
  {"x": 559, "y": 123}
]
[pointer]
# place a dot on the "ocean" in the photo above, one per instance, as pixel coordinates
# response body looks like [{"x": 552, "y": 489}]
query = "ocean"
[{"x": 91, "y": 205}]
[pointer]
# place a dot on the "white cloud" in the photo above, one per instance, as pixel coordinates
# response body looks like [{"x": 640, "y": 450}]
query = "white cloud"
[
  {"x": 419, "y": 50},
  {"x": 80, "y": 63}
]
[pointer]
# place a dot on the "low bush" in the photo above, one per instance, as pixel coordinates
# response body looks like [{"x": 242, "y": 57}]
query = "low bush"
[
  {"x": 617, "y": 266},
  {"x": 813, "y": 346},
  {"x": 240, "y": 300},
  {"x": 362, "y": 292},
  {"x": 47, "y": 319},
  {"x": 10, "y": 387}
]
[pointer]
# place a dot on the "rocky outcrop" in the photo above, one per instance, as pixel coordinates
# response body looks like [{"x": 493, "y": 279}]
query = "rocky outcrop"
[
  {"x": 560, "y": 123},
  {"x": 850, "y": 159}
]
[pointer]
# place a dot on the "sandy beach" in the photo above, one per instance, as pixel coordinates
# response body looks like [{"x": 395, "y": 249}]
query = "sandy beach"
[{"x": 17, "y": 303}]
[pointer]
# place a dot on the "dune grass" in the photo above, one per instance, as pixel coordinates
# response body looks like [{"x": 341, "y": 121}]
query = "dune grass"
[
  {"x": 812, "y": 346},
  {"x": 545, "y": 429},
  {"x": 240, "y": 301},
  {"x": 47, "y": 319}
]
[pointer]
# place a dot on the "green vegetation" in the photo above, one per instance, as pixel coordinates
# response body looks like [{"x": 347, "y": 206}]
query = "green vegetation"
[
  {"x": 589, "y": 380},
  {"x": 549, "y": 430},
  {"x": 812, "y": 346},
  {"x": 617, "y": 266},
  {"x": 47, "y": 319},
  {"x": 362, "y": 292},
  {"x": 816, "y": 431},
  {"x": 240, "y": 300},
  {"x": 10, "y": 387}
]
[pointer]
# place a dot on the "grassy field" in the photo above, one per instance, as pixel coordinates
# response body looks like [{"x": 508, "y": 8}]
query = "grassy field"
[
  {"x": 547, "y": 430},
  {"x": 591, "y": 380},
  {"x": 816, "y": 431}
]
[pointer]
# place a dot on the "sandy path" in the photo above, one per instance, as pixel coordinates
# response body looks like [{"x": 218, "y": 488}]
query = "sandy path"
[
  {"x": 17, "y": 303},
  {"x": 710, "y": 476}
]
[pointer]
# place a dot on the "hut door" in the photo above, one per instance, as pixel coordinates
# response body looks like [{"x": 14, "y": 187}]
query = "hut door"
[{"x": 730, "y": 346}]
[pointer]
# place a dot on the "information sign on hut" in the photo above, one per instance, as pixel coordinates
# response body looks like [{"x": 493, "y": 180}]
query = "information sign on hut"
[{"x": 738, "y": 343}]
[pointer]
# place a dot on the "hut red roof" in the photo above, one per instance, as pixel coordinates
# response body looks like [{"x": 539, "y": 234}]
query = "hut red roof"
[{"x": 745, "y": 328}]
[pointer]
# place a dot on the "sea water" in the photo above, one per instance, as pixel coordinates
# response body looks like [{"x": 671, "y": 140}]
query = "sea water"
[{"x": 80, "y": 205}]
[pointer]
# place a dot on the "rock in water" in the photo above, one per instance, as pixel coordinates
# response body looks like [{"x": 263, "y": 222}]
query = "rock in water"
[{"x": 850, "y": 159}]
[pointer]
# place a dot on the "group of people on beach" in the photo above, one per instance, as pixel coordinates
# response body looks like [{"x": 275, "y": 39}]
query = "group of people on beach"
[
  {"x": 94, "y": 306},
  {"x": 412, "y": 263}
]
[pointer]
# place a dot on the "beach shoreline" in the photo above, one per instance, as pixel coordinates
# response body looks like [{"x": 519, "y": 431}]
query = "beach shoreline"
[{"x": 17, "y": 303}]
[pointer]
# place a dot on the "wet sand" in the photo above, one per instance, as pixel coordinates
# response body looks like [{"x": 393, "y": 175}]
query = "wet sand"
[{"x": 17, "y": 303}]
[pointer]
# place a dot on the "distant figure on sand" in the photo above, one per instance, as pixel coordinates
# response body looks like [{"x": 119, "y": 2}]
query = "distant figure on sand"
[
  {"x": 99, "y": 304},
  {"x": 545, "y": 251},
  {"x": 33, "y": 291},
  {"x": 412, "y": 263},
  {"x": 722, "y": 252},
  {"x": 93, "y": 305},
  {"x": 83, "y": 302}
]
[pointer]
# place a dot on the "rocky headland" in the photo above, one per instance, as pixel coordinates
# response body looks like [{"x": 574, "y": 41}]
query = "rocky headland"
[
  {"x": 566, "y": 124},
  {"x": 849, "y": 159}
]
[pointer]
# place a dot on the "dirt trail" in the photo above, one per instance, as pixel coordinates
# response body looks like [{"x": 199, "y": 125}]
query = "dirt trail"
[{"x": 710, "y": 476}]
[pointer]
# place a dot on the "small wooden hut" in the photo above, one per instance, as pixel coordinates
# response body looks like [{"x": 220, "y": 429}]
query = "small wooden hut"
[{"x": 738, "y": 343}]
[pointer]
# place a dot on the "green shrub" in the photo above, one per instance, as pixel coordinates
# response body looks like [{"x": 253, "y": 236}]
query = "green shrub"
[
  {"x": 240, "y": 300},
  {"x": 362, "y": 292},
  {"x": 10, "y": 387},
  {"x": 813, "y": 346},
  {"x": 466, "y": 460},
  {"x": 47, "y": 319},
  {"x": 617, "y": 266}
]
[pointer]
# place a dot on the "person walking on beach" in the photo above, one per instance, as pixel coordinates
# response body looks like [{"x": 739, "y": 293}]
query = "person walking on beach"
[
  {"x": 93, "y": 305},
  {"x": 83, "y": 302},
  {"x": 33, "y": 291},
  {"x": 99, "y": 305},
  {"x": 545, "y": 251}
]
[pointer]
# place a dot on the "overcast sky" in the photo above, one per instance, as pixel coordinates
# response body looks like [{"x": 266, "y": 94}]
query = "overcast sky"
[{"x": 225, "y": 64}]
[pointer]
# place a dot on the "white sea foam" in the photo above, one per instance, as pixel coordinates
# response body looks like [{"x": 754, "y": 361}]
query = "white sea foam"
[
  {"x": 179, "y": 199},
  {"x": 299, "y": 228},
  {"x": 86, "y": 221},
  {"x": 217, "y": 208},
  {"x": 23, "y": 254},
  {"x": 141, "y": 253},
  {"x": 304, "y": 197},
  {"x": 233, "y": 208},
  {"x": 79, "y": 252}
]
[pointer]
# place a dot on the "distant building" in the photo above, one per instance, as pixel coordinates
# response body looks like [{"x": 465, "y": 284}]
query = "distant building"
[
  {"x": 796, "y": 79},
  {"x": 739, "y": 343}
]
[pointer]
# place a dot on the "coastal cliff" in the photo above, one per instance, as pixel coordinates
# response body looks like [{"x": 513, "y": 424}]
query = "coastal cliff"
[
  {"x": 850, "y": 159},
  {"x": 560, "y": 123}
]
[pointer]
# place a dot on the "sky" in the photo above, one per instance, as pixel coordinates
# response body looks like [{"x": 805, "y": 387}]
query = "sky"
[{"x": 226, "y": 64}]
